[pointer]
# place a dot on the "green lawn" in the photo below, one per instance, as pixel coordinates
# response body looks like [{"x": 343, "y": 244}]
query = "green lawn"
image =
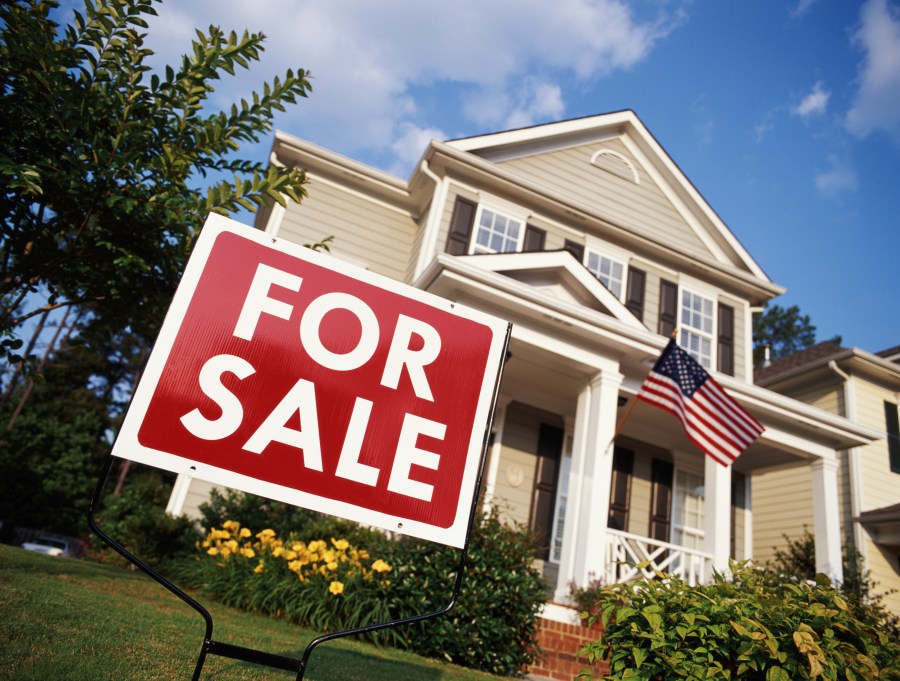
[{"x": 72, "y": 619}]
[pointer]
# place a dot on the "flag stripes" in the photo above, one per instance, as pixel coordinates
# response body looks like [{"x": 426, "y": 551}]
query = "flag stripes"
[{"x": 712, "y": 419}]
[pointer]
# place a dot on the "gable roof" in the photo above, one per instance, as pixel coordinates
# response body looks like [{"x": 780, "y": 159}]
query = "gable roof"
[
  {"x": 559, "y": 274},
  {"x": 820, "y": 357},
  {"x": 696, "y": 212}
]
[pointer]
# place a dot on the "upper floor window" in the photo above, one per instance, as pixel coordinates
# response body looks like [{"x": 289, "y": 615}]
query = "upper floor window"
[
  {"x": 609, "y": 271},
  {"x": 696, "y": 322},
  {"x": 497, "y": 233},
  {"x": 892, "y": 424}
]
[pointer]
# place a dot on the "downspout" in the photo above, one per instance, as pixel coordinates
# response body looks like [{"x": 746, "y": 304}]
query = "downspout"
[
  {"x": 432, "y": 225},
  {"x": 853, "y": 465}
]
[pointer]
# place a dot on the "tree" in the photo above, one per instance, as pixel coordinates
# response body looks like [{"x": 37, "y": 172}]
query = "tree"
[
  {"x": 101, "y": 160},
  {"x": 784, "y": 331}
]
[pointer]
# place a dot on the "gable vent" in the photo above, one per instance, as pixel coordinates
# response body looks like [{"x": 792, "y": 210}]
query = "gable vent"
[{"x": 613, "y": 162}]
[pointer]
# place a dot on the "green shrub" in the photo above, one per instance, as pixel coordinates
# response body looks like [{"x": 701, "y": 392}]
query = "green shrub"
[
  {"x": 743, "y": 627},
  {"x": 324, "y": 584},
  {"x": 137, "y": 519},
  {"x": 493, "y": 625}
]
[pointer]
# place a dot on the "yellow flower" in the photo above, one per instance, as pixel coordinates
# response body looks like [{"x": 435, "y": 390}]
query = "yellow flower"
[
  {"x": 332, "y": 565},
  {"x": 340, "y": 544},
  {"x": 213, "y": 551},
  {"x": 244, "y": 533},
  {"x": 336, "y": 588},
  {"x": 328, "y": 556},
  {"x": 380, "y": 566},
  {"x": 266, "y": 534},
  {"x": 232, "y": 545},
  {"x": 278, "y": 551},
  {"x": 363, "y": 554},
  {"x": 290, "y": 555},
  {"x": 294, "y": 566},
  {"x": 260, "y": 567},
  {"x": 298, "y": 546},
  {"x": 231, "y": 525},
  {"x": 247, "y": 552}
]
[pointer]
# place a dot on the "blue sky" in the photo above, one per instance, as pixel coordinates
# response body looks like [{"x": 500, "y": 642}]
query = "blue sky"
[{"x": 784, "y": 115}]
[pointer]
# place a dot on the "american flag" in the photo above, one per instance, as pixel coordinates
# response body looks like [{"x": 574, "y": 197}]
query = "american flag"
[{"x": 713, "y": 421}]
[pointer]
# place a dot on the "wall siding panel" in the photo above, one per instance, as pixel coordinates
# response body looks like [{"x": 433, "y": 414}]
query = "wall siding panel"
[
  {"x": 366, "y": 233},
  {"x": 643, "y": 207}
]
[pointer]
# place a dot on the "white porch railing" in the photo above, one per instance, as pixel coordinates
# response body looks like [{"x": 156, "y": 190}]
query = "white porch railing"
[{"x": 624, "y": 551}]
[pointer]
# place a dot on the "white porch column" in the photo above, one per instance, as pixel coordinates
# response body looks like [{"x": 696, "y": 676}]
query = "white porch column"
[
  {"x": 717, "y": 511},
  {"x": 492, "y": 465},
  {"x": 584, "y": 536},
  {"x": 826, "y": 519}
]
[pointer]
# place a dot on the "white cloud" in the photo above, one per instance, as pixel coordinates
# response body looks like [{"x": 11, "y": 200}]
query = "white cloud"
[
  {"x": 411, "y": 143},
  {"x": 838, "y": 180},
  {"x": 802, "y": 8},
  {"x": 371, "y": 61},
  {"x": 814, "y": 103},
  {"x": 876, "y": 106}
]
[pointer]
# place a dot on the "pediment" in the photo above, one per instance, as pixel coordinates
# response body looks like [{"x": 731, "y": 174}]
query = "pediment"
[
  {"x": 611, "y": 166},
  {"x": 559, "y": 276}
]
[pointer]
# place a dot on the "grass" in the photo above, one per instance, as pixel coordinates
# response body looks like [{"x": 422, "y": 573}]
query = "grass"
[{"x": 73, "y": 619}]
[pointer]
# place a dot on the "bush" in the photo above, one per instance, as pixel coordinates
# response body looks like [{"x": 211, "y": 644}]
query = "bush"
[
  {"x": 797, "y": 559},
  {"x": 137, "y": 519},
  {"x": 327, "y": 585},
  {"x": 493, "y": 626},
  {"x": 743, "y": 627}
]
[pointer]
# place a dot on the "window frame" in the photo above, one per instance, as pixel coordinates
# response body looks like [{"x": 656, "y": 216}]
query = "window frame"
[
  {"x": 616, "y": 256},
  {"x": 497, "y": 209},
  {"x": 687, "y": 331}
]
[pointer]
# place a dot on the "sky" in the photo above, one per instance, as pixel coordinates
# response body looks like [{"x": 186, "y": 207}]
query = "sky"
[{"x": 784, "y": 114}]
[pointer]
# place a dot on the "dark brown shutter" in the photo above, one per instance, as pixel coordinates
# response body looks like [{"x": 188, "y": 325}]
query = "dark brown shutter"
[
  {"x": 661, "y": 474},
  {"x": 543, "y": 499},
  {"x": 668, "y": 307},
  {"x": 892, "y": 426},
  {"x": 634, "y": 292},
  {"x": 534, "y": 238},
  {"x": 738, "y": 500},
  {"x": 726, "y": 339},
  {"x": 461, "y": 226},
  {"x": 575, "y": 249},
  {"x": 620, "y": 489}
]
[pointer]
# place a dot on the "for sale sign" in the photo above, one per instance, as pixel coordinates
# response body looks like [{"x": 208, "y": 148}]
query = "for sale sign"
[{"x": 287, "y": 373}]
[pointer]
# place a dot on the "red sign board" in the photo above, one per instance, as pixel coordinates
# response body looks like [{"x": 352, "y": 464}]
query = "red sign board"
[{"x": 287, "y": 373}]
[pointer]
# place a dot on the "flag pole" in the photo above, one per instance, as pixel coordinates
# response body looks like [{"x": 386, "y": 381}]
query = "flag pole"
[{"x": 631, "y": 406}]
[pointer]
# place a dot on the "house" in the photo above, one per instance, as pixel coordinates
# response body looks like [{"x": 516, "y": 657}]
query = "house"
[
  {"x": 587, "y": 236},
  {"x": 864, "y": 388}
]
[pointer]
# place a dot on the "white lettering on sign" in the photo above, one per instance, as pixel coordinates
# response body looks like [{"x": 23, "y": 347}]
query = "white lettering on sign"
[
  {"x": 301, "y": 398},
  {"x": 312, "y": 342},
  {"x": 211, "y": 385},
  {"x": 258, "y": 301}
]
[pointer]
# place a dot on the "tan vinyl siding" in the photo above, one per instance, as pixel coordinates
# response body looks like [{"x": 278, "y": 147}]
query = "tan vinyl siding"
[
  {"x": 518, "y": 460},
  {"x": 198, "y": 493},
  {"x": 881, "y": 487},
  {"x": 782, "y": 504},
  {"x": 639, "y": 513},
  {"x": 417, "y": 246},
  {"x": 366, "y": 232},
  {"x": 884, "y": 565},
  {"x": 568, "y": 173}
]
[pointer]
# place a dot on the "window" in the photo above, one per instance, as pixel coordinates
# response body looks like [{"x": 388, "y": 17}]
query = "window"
[
  {"x": 697, "y": 326},
  {"x": 497, "y": 233},
  {"x": 562, "y": 495},
  {"x": 543, "y": 496},
  {"x": 611, "y": 273},
  {"x": 688, "y": 511},
  {"x": 892, "y": 424},
  {"x": 534, "y": 239},
  {"x": 461, "y": 226}
]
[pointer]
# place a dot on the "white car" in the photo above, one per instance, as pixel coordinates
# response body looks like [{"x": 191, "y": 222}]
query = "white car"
[{"x": 48, "y": 546}]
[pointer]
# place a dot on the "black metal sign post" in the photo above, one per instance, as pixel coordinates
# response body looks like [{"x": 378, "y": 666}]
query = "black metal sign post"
[{"x": 221, "y": 649}]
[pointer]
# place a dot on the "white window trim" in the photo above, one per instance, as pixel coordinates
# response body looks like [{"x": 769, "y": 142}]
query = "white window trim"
[
  {"x": 505, "y": 209},
  {"x": 699, "y": 288},
  {"x": 699, "y": 532},
  {"x": 614, "y": 253}
]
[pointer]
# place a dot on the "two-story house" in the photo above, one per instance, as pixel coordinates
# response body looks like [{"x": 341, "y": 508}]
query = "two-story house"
[
  {"x": 590, "y": 240},
  {"x": 865, "y": 388}
]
